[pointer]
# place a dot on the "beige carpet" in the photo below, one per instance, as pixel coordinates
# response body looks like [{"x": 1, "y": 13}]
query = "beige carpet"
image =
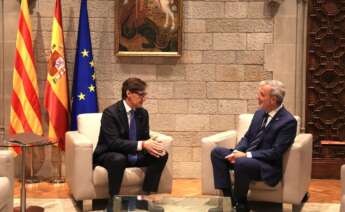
[{"x": 174, "y": 205}]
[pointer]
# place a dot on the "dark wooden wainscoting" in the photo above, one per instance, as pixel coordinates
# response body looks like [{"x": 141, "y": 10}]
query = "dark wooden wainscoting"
[{"x": 325, "y": 85}]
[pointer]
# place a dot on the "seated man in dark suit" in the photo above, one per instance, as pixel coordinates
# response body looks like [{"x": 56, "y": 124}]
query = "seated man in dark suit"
[
  {"x": 258, "y": 155},
  {"x": 124, "y": 140}
]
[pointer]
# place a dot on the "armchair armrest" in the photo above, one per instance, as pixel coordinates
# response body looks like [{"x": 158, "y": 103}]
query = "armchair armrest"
[
  {"x": 7, "y": 165},
  {"x": 225, "y": 139},
  {"x": 160, "y": 136},
  {"x": 7, "y": 171},
  {"x": 297, "y": 164},
  {"x": 165, "y": 184},
  {"x": 78, "y": 155},
  {"x": 342, "y": 179}
]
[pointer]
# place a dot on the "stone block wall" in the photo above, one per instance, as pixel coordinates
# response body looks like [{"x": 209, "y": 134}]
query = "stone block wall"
[{"x": 190, "y": 97}]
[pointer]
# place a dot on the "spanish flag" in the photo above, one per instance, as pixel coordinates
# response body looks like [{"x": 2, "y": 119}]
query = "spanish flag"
[
  {"x": 25, "y": 107},
  {"x": 56, "y": 89}
]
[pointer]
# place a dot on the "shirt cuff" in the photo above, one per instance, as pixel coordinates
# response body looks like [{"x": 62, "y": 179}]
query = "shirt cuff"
[
  {"x": 249, "y": 155},
  {"x": 235, "y": 150},
  {"x": 140, "y": 146}
]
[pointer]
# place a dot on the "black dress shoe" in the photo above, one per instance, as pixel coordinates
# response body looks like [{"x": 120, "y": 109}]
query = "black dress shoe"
[
  {"x": 142, "y": 204},
  {"x": 241, "y": 207},
  {"x": 109, "y": 207},
  {"x": 155, "y": 208},
  {"x": 225, "y": 204}
]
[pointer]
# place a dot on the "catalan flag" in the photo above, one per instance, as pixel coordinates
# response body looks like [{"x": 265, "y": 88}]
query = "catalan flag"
[
  {"x": 84, "y": 96},
  {"x": 56, "y": 88},
  {"x": 25, "y": 113}
]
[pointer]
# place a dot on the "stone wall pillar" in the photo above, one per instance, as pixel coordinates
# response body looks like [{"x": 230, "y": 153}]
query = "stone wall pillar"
[
  {"x": 301, "y": 59},
  {"x": 2, "y": 52},
  {"x": 285, "y": 57}
]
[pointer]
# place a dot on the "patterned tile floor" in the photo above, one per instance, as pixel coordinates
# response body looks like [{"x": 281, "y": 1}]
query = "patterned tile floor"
[{"x": 186, "y": 204}]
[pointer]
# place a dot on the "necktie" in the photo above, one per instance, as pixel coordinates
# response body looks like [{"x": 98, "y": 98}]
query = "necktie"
[
  {"x": 258, "y": 137},
  {"x": 132, "y": 135}
]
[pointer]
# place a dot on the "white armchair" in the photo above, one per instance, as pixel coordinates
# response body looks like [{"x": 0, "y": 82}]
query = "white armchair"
[
  {"x": 297, "y": 163},
  {"x": 342, "y": 178},
  {"x": 86, "y": 183},
  {"x": 6, "y": 181}
]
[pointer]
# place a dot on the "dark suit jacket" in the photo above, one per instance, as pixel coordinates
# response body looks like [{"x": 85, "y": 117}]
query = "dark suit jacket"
[
  {"x": 278, "y": 136},
  {"x": 113, "y": 135}
]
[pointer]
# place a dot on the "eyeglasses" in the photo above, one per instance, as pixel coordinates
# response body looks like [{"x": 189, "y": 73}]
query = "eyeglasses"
[{"x": 141, "y": 93}]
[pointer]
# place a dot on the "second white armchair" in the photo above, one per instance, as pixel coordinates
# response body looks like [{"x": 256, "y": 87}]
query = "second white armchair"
[
  {"x": 342, "y": 179},
  {"x": 297, "y": 163}
]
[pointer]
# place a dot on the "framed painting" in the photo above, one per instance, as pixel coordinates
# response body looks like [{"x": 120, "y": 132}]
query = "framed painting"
[{"x": 148, "y": 28}]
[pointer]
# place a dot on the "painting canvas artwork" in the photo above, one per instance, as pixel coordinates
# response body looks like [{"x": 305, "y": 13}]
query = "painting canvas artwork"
[{"x": 148, "y": 28}]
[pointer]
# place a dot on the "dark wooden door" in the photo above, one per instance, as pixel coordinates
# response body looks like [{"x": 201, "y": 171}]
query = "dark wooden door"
[{"x": 325, "y": 102}]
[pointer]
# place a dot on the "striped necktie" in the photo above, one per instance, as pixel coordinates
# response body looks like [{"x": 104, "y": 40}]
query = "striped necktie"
[{"x": 259, "y": 136}]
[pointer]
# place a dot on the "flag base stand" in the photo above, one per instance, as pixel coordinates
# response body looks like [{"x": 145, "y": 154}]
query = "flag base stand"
[
  {"x": 32, "y": 180},
  {"x": 30, "y": 209},
  {"x": 58, "y": 179}
]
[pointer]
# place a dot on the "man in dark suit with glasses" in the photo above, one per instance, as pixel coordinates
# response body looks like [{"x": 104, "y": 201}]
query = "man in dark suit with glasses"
[{"x": 124, "y": 140}]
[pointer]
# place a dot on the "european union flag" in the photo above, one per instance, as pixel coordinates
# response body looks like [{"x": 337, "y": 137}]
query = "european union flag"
[{"x": 84, "y": 95}]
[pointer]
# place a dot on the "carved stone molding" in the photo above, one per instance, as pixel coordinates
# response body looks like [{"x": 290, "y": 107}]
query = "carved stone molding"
[
  {"x": 273, "y": 6},
  {"x": 273, "y": 2}
]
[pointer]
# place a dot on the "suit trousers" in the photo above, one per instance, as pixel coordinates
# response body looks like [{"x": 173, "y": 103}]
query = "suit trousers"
[
  {"x": 116, "y": 163},
  {"x": 245, "y": 170}
]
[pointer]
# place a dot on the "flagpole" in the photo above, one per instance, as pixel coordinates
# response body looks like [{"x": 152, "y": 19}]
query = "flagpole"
[
  {"x": 31, "y": 179},
  {"x": 59, "y": 178},
  {"x": 56, "y": 91}
]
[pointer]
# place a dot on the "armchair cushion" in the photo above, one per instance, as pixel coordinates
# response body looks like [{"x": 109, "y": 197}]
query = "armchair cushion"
[
  {"x": 89, "y": 125},
  {"x": 243, "y": 125},
  {"x": 132, "y": 177}
]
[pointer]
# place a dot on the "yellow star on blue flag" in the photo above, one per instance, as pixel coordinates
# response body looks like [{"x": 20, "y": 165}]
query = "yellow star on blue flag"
[
  {"x": 81, "y": 96},
  {"x": 92, "y": 64},
  {"x": 92, "y": 88},
  {"x": 85, "y": 53}
]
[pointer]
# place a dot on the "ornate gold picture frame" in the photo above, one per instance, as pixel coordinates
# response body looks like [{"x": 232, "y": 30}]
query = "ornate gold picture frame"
[{"x": 148, "y": 28}]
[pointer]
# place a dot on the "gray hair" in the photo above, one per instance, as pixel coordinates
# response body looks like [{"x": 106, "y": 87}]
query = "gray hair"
[{"x": 278, "y": 89}]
